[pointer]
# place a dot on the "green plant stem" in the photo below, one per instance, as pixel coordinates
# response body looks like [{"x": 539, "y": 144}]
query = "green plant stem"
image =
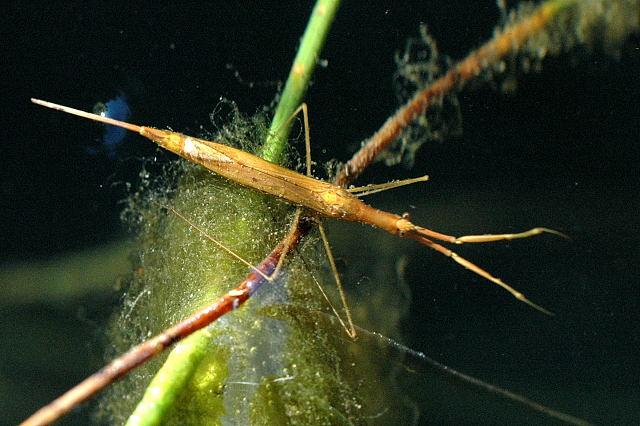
[
  {"x": 299, "y": 77},
  {"x": 65, "y": 277},
  {"x": 167, "y": 385}
]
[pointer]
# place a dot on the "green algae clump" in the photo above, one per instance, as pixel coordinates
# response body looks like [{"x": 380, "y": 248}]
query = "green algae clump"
[{"x": 279, "y": 359}]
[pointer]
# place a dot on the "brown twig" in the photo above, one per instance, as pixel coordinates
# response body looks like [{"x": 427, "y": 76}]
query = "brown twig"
[{"x": 508, "y": 41}]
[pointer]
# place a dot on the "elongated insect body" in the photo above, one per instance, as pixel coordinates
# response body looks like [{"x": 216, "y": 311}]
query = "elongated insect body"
[{"x": 319, "y": 197}]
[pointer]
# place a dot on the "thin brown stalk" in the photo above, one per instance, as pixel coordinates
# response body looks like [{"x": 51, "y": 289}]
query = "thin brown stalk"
[{"x": 510, "y": 40}]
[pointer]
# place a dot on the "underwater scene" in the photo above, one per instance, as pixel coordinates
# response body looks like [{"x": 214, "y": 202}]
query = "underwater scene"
[{"x": 523, "y": 115}]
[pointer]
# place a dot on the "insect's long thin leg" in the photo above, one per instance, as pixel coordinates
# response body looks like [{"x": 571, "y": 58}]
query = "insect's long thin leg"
[
  {"x": 305, "y": 114},
  {"x": 349, "y": 327},
  {"x": 351, "y": 331},
  {"x": 205, "y": 234},
  {"x": 287, "y": 242},
  {"x": 486, "y": 238},
  {"x": 336, "y": 314},
  {"x": 362, "y": 191},
  {"x": 307, "y": 135},
  {"x": 478, "y": 270}
]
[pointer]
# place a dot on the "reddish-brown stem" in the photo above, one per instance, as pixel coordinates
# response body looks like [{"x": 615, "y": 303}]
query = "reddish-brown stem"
[
  {"x": 510, "y": 40},
  {"x": 143, "y": 352}
]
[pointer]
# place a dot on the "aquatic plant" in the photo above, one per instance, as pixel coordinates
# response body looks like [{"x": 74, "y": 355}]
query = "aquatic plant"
[{"x": 165, "y": 236}]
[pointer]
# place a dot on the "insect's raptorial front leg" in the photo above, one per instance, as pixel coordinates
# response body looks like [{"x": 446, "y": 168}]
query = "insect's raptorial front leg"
[
  {"x": 363, "y": 191},
  {"x": 487, "y": 238},
  {"x": 421, "y": 236}
]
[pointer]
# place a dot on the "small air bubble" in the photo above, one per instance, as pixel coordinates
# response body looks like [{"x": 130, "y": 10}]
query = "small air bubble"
[{"x": 542, "y": 52}]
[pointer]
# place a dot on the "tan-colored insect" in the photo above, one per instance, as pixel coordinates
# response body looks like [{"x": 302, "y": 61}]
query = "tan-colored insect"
[
  {"x": 317, "y": 197},
  {"x": 320, "y": 197}
]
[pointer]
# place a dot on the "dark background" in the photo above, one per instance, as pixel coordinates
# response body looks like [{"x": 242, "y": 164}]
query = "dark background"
[{"x": 562, "y": 152}]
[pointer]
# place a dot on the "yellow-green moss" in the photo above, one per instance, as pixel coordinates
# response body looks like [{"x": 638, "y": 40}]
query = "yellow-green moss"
[
  {"x": 280, "y": 359},
  {"x": 179, "y": 270}
]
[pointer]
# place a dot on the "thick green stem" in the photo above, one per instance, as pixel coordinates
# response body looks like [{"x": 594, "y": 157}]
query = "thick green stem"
[
  {"x": 299, "y": 77},
  {"x": 167, "y": 385},
  {"x": 66, "y": 277}
]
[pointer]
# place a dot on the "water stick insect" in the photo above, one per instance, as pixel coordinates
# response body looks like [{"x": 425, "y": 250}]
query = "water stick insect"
[
  {"x": 415, "y": 231},
  {"x": 320, "y": 198}
]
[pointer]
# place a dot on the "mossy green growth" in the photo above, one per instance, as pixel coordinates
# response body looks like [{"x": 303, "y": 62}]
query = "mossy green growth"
[
  {"x": 279, "y": 359},
  {"x": 177, "y": 269}
]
